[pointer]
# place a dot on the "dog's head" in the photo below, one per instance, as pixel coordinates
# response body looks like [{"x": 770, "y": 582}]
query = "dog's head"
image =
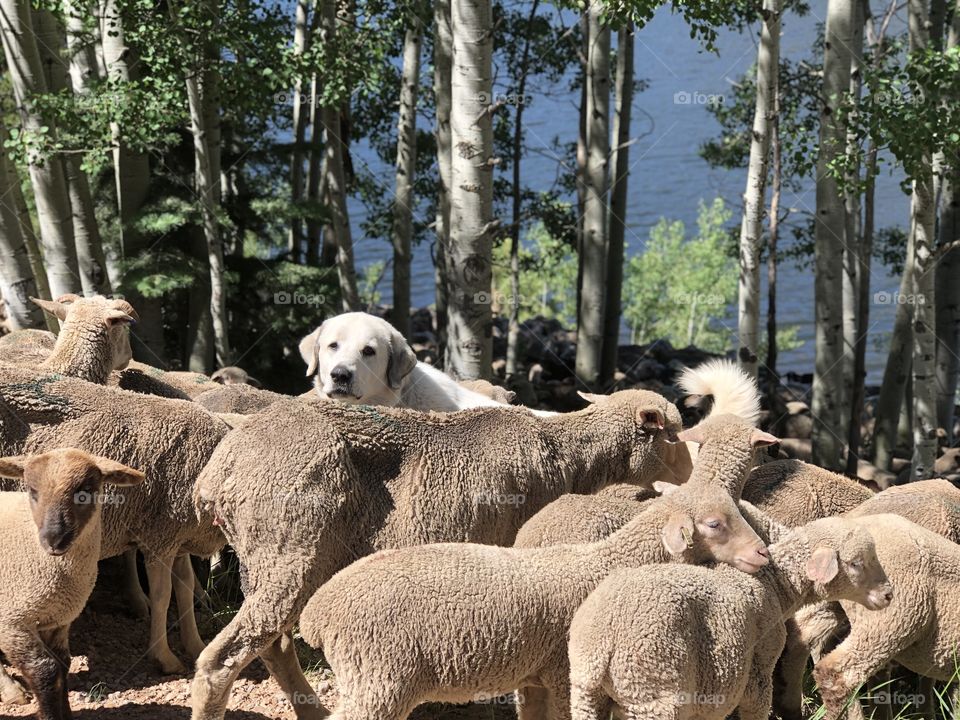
[{"x": 358, "y": 358}]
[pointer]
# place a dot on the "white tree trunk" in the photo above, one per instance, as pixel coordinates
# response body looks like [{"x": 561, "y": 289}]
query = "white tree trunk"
[
  {"x": 86, "y": 232},
  {"x": 923, "y": 214},
  {"x": 207, "y": 183},
  {"x": 132, "y": 178},
  {"x": 947, "y": 287},
  {"x": 754, "y": 197},
  {"x": 46, "y": 174},
  {"x": 470, "y": 323},
  {"x": 402, "y": 232},
  {"x": 618, "y": 202},
  {"x": 17, "y": 281},
  {"x": 314, "y": 175},
  {"x": 828, "y": 392},
  {"x": 595, "y": 237},
  {"x": 336, "y": 182},
  {"x": 442, "y": 68},
  {"x": 300, "y": 40}
]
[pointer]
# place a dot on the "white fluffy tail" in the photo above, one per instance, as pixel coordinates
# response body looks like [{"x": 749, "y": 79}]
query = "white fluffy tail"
[{"x": 734, "y": 392}]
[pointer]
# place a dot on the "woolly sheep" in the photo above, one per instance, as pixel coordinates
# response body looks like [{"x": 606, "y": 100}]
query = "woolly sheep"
[
  {"x": 728, "y": 447},
  {"x": 692, "y": 642},
  {"x": 304, "y": 489},
  {"x": 94, "y": 339},
  {"x": 794, "y": 492},
  {"x": 51, "y": 535},
  {"x": 471, "y": 621},
  {"x": 920, "y": 629},
  {"x": 171, "y": 439},
  {"x": 931, "y": 504}
]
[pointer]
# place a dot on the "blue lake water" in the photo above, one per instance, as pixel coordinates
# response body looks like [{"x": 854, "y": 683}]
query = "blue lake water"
[{"x": 668, "y": 178}]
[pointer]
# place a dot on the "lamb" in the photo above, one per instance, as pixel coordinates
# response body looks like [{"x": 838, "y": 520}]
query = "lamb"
[
  {"x": 233, "y": 375},
  {"x": 717, "y": 633},
  {"x": 171, "y": 439},
  {"x": 728, "y": 446},
  {"x": 51, "y": 536},
  {"x": 486, "y": 620},
  {"x": 303, "y": 489},
  {"x": 920, "y": 629},
  {"x": 931, "y": 504},
  {"x": 794, "y": 492},
  {"x": 94, "y": 338}
]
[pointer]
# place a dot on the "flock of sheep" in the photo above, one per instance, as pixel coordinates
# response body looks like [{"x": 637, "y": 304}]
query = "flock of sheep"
[{"x": 605, "y": 560}]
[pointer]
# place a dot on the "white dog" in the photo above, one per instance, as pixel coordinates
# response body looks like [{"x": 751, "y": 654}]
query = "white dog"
[{"x": 361, "y": 359}]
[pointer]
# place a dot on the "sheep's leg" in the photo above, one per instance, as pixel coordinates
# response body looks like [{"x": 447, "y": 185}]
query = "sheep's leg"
[
  {"x": 136, "y": 597},
  {"x": 850, "y": 665},
  {"x": 159, "y": 575},
  {"x": 531, "y": 703},
  {"x": 589, "y": 703},
  {"x": 183, "y": 579},
  {"x": 10, "y": 691},
  {"x": 789, "y": 673},
  {"x": 281, "y": 660},
  {"x": 58, "y": 644},
  {"x": 43, "y": 669}
]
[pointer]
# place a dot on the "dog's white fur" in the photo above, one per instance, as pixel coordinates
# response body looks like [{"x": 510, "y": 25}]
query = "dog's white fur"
[{"x": 383, "y": 368}]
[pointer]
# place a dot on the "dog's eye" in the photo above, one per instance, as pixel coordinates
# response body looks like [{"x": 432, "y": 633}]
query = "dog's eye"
[
  {"x": 333, "y": 346},
  {"x": 368, "y": 351}
]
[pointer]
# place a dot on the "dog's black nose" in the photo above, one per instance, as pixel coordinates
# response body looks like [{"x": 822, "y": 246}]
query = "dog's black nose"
[{"x": 341, "y": 375}]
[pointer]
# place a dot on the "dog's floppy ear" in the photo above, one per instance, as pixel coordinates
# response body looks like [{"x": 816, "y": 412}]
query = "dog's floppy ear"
[
  {"x": 309, "y": 350},
  {"x": 402, "y": 360}
]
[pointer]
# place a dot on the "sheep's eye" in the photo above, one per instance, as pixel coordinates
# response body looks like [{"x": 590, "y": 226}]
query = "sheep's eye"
[
  {"x": 857, "y": 565},
  {"x": 713, "y": 524},
  {"x": 368, "y": 351},
  {"x": 32, "y": 493},
  {"x": 333, "y": 345}
]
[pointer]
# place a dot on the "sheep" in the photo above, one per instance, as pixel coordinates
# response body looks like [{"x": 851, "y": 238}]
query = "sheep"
[
  {"x": 487, "y": 620},
  {"x": 920, "y": 629},
  {"x": 694, "y": 642},
  {"x": 232, "y": 375},
  {"x": 931, "y": 504},
  {"x": 94, "y": 338},
  {"x": 51, "y": 536},
  {"x": 494, "y": 392},
  {"x": 728, "y": 446},
  {"x": 794, "y": 492},
  {"x": 171, "y": 439},
  {"x": 305, "y": 488}
]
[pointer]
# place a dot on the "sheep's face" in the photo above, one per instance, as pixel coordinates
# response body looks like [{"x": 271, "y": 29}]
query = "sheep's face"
[
  {"x": 705, "y": 525},
  {"x": 844, "y": 564},
  {"x": 655, "y": 422},
  {"x": 64, "y": 490},
  {"x": 96, "y": 319},
  {"x": 358, "y": 358}
]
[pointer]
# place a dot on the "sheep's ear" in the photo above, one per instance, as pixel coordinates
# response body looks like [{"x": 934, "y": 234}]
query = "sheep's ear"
[
  {"x": 402, "y": 360},
  {"x": 652, "y": 419},
  {"x": 823, "y": 565},
  {"x": 677, "y": 534},
  {"x": 57, "y": 309},
  {"x": 665, "y": 488},
  {"x": 253, "y": 382},
  {"x": 116, "y": 473},
  {"x": 126, "y": 308},
  {"x": 117, "y": 317},
  {"x": 13, "y": 466},
  {"x": 310, "y": 352},
  {"x": 694, "y": 435},
  {"x": 762, "y": 439},
  {"x": 592, "y": 397}
]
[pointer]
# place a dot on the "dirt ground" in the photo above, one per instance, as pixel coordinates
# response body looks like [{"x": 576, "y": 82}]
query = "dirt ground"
[{"x": 111, "y": 678}]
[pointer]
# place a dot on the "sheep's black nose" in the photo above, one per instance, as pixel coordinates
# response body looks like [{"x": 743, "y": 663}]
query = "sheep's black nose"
[
  {"x": 763, "y": 551},
  {"x": 340, "y": 374}
]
